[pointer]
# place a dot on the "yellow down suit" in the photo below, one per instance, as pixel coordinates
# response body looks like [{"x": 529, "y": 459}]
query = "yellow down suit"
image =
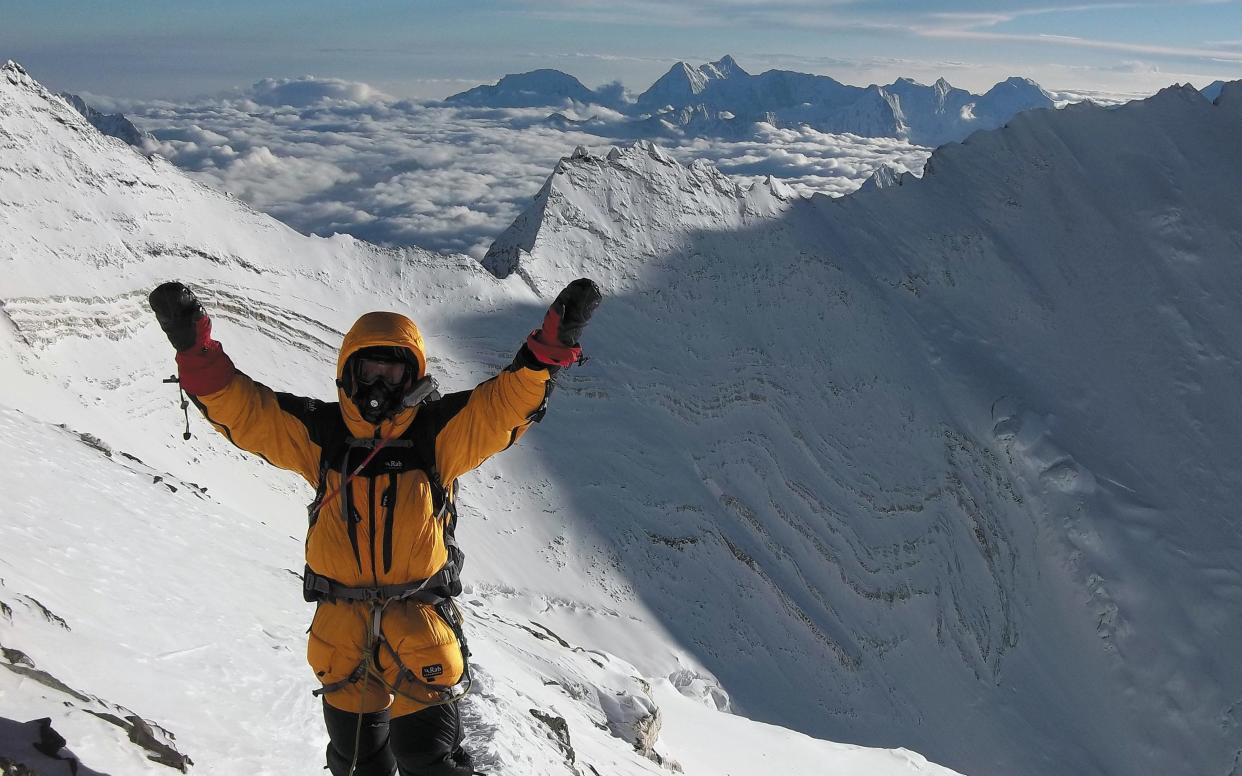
[{"x": 384, "y": 528}]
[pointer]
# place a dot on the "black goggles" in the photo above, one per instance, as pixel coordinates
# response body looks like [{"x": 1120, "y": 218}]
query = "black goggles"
[{"x": 370, "y": 370}]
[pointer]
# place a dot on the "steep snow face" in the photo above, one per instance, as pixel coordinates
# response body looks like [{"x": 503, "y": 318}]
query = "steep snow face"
[
  {"x": 957, "y": 461},
  {"x": 148, "y": 585},
  {"x": 527, "y": 90}
]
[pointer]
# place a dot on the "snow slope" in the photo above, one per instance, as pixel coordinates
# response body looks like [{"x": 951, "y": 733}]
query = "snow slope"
[
  {"x": 957, "y": 460},
  {"x": 147, "y": 583}
]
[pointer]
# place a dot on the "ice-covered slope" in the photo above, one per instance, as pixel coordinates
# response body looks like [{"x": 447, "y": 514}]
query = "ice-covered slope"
[
  {"x": 147, "y": 583},
  {"x": 955, "y": 461}
]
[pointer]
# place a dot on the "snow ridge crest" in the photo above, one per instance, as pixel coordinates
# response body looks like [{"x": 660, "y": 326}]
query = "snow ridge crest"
[{"x": 628, "y": 201}]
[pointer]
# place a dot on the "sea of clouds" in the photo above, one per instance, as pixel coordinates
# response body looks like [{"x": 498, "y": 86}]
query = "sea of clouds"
[{"x": 326, "y": 156}]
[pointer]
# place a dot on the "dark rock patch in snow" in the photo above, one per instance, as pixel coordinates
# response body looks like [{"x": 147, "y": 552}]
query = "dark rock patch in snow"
[
  {"x": 34, "y": 748},
  {"x": 559, "y": 732}
]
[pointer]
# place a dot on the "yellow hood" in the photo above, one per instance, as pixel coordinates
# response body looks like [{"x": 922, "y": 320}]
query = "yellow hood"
[{"x": 374, "y": 330}]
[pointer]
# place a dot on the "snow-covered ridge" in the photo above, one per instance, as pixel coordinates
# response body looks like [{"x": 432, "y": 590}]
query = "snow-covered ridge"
[
  {"x": 968, "y": 444},
  {"x": 111, "y": 124},
  {"x": 171, "y": 564},
  {"x": 630, "y": 202}
]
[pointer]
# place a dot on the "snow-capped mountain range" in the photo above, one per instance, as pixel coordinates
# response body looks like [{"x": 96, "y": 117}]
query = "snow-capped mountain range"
[
  {"x": 721, "y": 98},
  {"x": 950, "y": 465},
  {"x": 149, "y": 601}
]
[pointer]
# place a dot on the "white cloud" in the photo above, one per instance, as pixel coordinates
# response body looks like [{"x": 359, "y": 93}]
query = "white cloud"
[
  {"x": 307, "y": 91},
  {"x": 268, "y": 181},
  {"x": 808, "y": 160},
  {"x": 333, "y": 156}
]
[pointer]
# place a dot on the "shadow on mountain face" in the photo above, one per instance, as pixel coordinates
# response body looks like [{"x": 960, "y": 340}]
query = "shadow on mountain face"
[
  {"x": 950, "y": 466},
  {"x": 35, "y": 748}
]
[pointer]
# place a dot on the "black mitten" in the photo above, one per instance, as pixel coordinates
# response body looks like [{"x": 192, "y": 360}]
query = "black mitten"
[{"x": 177, "y": 310}]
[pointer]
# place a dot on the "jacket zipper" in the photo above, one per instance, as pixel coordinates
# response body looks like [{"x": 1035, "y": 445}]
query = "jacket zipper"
[
  {"x": 389, "y": 502},
  {"x": 371, "y": 505}
]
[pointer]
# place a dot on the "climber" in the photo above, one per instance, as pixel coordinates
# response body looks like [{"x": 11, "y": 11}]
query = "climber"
[{"x": 382, "y": 561}]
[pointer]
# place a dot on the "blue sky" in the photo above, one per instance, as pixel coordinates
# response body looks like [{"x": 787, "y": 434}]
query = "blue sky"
[{"x": 160, "y": 48}]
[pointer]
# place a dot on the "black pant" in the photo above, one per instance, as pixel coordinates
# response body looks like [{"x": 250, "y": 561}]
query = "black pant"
[{"x": 425, "y": 743}]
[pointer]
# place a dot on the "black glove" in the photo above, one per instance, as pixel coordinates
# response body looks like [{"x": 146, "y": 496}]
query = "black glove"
[
  {"x": 576, "y": 304},
  {"x": 178, "y": 311},
  {"x": 555, "y": 343}
]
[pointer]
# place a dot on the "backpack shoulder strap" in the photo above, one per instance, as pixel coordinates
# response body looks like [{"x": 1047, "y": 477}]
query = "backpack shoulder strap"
[
  {"x": 326, "y": 428},
  {"x": 432, "y": 417}
]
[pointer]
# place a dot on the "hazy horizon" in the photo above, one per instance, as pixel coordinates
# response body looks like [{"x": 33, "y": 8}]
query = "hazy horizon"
[{"x": 148, "y": 50}]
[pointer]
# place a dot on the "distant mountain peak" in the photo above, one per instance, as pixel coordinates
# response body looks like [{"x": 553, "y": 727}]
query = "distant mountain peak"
[
  {"x": 536, "y": 88},
  {"x": 15, "y": 73},
  {"x": 111, "y": 124},
  {"x": 1230, "y": 95},
  {"x": 1213, "y": 90},
  {"x": 620, "y": 199},
  {"x": 727, "y": 66}
]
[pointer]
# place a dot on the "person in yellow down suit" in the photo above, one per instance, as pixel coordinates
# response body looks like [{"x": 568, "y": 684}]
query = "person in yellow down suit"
[{"x": 382, "y": 564}]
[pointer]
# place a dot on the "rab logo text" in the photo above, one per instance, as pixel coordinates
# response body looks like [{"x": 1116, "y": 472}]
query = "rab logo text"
[{"x": 430, "y": 673}]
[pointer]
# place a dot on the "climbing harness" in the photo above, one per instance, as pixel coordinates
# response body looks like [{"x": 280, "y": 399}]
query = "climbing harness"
[{"x": 412, "y": 450}]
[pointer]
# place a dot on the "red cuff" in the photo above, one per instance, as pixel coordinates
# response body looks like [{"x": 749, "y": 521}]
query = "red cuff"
[
  {"x": 552, "y": 355},
  {"x": 204, "y": 368}
]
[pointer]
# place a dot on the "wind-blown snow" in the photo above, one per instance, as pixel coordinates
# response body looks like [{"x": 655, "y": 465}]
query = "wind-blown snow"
[{"x": 143, "y": 576}]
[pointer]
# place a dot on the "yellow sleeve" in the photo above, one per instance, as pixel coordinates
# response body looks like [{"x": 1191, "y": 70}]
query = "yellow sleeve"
[
  {"x": 260, "y": 421},
  {"x": 495, "y": 415}
]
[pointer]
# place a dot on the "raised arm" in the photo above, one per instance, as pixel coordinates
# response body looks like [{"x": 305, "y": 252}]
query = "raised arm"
[
  {"x": 496, "y": 413},
  {"x": 252, "y": 416}
]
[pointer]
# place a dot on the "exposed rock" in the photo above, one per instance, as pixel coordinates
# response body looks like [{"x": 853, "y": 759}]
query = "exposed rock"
[
  {"x": 150, "y": 737},
  {"x": 20, "y": 663},
  {"x": 35, "y": 749},
  {"x": 559, "y": 732}
]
